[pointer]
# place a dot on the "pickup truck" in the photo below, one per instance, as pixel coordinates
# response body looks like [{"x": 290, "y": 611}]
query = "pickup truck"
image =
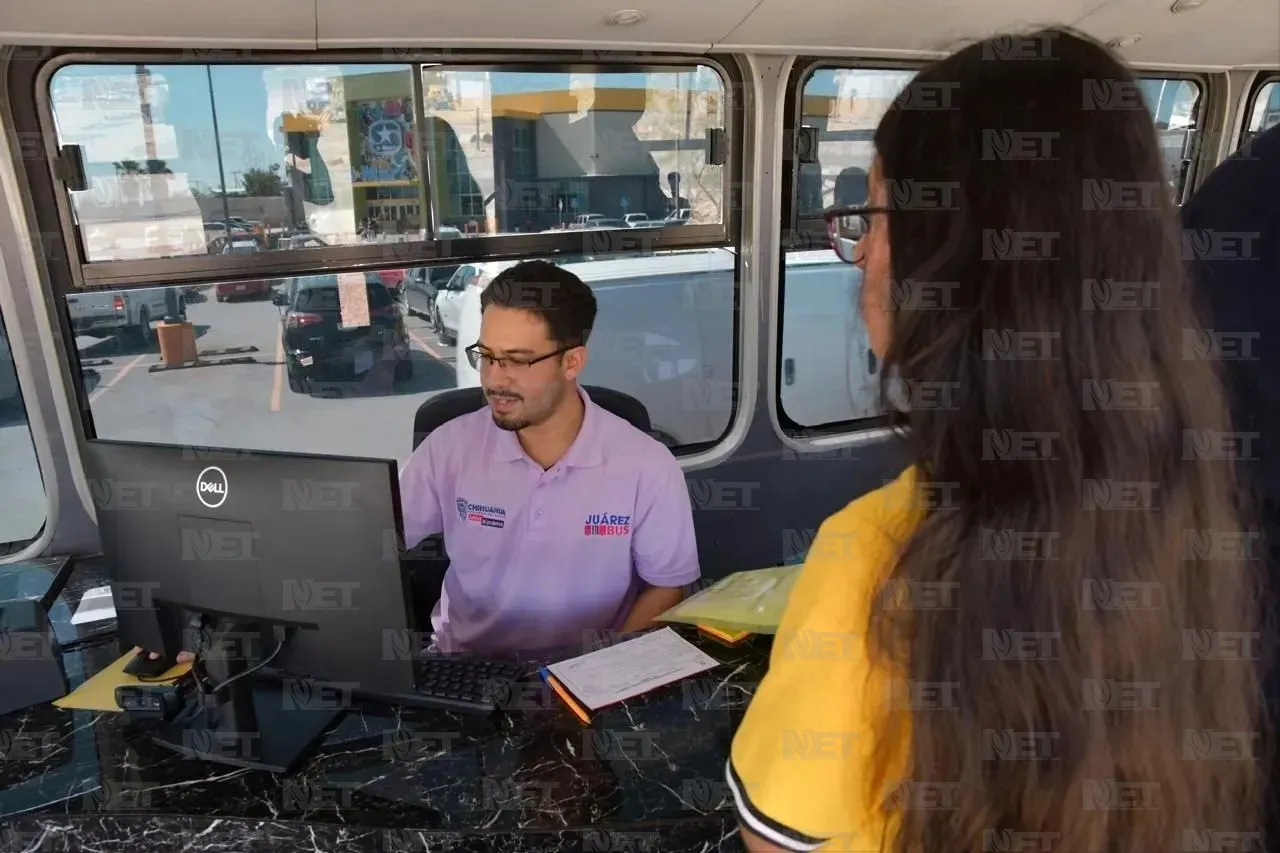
[{"x": 128, "y": 312}]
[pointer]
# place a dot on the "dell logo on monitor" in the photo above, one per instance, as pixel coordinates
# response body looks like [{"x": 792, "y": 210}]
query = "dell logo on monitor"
[{"x": 211, "y": 487}]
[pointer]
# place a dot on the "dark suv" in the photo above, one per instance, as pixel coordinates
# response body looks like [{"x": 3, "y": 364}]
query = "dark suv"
[{"x": 317, "y": 345}]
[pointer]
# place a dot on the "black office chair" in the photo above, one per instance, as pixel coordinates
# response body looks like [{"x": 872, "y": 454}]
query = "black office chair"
[
  {"x": 429, "y": 561},
  {"x": 443, "y": 408}
]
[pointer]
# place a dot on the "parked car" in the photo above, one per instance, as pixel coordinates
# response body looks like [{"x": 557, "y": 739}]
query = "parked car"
[
  {"x": 421, "y": 286},
  {"x": 258, "y": 288},
  {"x": 317, "y": 345},
  {"x": 300, "y": 241},
  {"x": 458, "y": 295},
  {"x": 393, "y": 280},
  {"x": 129, "y": 312},
  {"x": 242, "y": 289}
]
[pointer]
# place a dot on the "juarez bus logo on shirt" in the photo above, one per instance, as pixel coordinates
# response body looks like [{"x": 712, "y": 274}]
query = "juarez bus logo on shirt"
[
  {"x": 485, "y": 516},
  {"x": 603, "y": 524}
]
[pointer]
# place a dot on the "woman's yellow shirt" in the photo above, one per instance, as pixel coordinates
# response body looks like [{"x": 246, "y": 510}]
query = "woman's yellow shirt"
[{"x": 800, "y": 765}]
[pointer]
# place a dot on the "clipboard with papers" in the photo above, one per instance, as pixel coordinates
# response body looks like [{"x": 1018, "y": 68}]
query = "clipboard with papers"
[{"x": 607, "y": 676}]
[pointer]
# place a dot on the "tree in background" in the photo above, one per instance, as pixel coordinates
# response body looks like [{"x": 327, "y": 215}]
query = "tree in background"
[
  {"x": 137, "y": 192},
  {"x": 133, "y": 167},
  {"x": 263, "y": 182}
]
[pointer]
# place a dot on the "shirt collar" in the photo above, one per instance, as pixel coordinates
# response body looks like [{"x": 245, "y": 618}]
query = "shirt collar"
[{"x": 584, "y": 452}]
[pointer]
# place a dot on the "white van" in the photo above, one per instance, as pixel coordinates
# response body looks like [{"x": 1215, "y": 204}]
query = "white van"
[{"x": 662, "y": 334}]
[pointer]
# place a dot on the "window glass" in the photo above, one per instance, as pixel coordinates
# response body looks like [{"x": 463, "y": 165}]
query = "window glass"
[
  {"x": 844, "y": 105},
  {"x": 297, "y": 365},
  {"x": 184, "y": 159},
  {"x": 191, "y": 159},
  {"x": 528, "y": 151},
  {"x": 1175, "y": 106},
  {"x": 23, "y": 506},
  {"x": 1265, "y": 113},
  {"x": 828, "y": 373}
]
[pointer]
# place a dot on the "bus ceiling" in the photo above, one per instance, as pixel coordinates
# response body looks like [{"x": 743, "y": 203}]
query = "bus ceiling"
[{"x": 1188, "y": 34}]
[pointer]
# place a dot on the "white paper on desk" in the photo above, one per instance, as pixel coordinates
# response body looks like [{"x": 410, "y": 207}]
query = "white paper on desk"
[
  {"x": 353, "y": 299},
  {"x": 95, "y": 606},
  {"x": 628, "y": 669}
]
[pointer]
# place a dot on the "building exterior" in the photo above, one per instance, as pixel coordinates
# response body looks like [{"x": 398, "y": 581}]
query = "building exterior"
[{"x": 506, "y": 153}]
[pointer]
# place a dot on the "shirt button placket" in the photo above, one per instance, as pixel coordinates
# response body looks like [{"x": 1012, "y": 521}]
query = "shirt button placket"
[{"x": 537, "y": 522}]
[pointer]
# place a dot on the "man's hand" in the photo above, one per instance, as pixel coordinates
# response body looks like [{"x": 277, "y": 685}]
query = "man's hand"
[{"x": 183, "y": 657}]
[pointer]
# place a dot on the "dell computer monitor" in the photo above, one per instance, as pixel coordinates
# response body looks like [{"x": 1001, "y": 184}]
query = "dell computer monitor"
[{"x": 310, "y": 544}]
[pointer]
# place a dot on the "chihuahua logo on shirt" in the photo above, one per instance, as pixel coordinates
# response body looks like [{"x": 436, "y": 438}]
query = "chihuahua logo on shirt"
[
  {"x": 485, "y": 516},
  {"x": 604, "y": 524}
]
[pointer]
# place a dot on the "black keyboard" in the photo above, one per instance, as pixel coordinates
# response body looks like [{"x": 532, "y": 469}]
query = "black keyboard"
[{"x": 465, "y": 685}]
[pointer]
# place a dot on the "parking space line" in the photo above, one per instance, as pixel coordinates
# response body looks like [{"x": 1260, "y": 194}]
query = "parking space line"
[
  {"x": 102, "y": 389},
  {"x": 277, "y": 382},
  {"x": 426, "y": 346}
]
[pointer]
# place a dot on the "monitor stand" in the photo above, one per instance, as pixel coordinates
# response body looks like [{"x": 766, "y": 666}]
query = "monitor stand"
[{"x": 249, "y": 723}]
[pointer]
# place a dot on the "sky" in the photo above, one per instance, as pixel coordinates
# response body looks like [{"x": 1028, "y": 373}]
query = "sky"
[{"x": 98, "y": 107}]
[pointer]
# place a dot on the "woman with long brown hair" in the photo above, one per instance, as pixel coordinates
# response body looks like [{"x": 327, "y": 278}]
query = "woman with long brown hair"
[{"x": 1042, "y": 635}]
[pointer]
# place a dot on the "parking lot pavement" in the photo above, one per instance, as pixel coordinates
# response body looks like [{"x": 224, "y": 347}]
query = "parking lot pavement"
[{"x": 250, "y": 405}]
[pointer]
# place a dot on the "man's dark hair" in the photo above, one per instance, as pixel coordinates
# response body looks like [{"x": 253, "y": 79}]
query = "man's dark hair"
[{"x": 562, "y": 300}]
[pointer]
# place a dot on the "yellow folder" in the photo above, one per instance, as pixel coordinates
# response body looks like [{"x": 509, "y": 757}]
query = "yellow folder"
[
  {"x": 744, "y": 601},
  {"x": 99, "y": 692}
]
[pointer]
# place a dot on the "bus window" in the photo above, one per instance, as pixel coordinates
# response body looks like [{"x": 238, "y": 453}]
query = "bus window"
[
  {"x": 1175, "y": 106},
  {"x": 294, "y": 365},
  {"x": 606, "y": 168},
  {"x": 529, "y": 151},
  {"x": 827, "y": 374},
  {"x": 1265, "y": 111},
  {"x": 22, "y": 497},
  {"x": 183, "y": 160}
]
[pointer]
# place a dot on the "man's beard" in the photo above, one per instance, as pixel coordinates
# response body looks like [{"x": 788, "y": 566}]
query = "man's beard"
[{"x": 513, "y": 421}]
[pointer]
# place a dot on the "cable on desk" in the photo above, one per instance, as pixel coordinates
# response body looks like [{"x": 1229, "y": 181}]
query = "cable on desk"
[{"x": 268, "y": 659}]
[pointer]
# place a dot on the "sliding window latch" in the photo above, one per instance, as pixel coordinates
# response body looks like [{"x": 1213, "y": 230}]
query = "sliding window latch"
[
  {"x": 806, "y": 144},
  {"x": 717, "y": 146},
  {"x": 69, "y": 168}
]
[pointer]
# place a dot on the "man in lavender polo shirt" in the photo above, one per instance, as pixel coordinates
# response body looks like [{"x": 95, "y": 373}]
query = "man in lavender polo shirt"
[{"x": 559, "y": 517}]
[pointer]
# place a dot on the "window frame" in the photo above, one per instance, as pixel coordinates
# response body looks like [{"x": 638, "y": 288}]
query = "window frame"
[
  {"x": 808, "y": 232},
  {"x": 801, "y": 73},
  {"x": 48, "y": 202},
  {"x": 1260, "y": 82},
  {"x": 194, "y": 269},
  {"x": 1196, "y": 138}
]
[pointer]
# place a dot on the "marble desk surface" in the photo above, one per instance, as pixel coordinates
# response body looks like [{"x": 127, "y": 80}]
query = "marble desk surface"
[{"x": 645, "y": 775}]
